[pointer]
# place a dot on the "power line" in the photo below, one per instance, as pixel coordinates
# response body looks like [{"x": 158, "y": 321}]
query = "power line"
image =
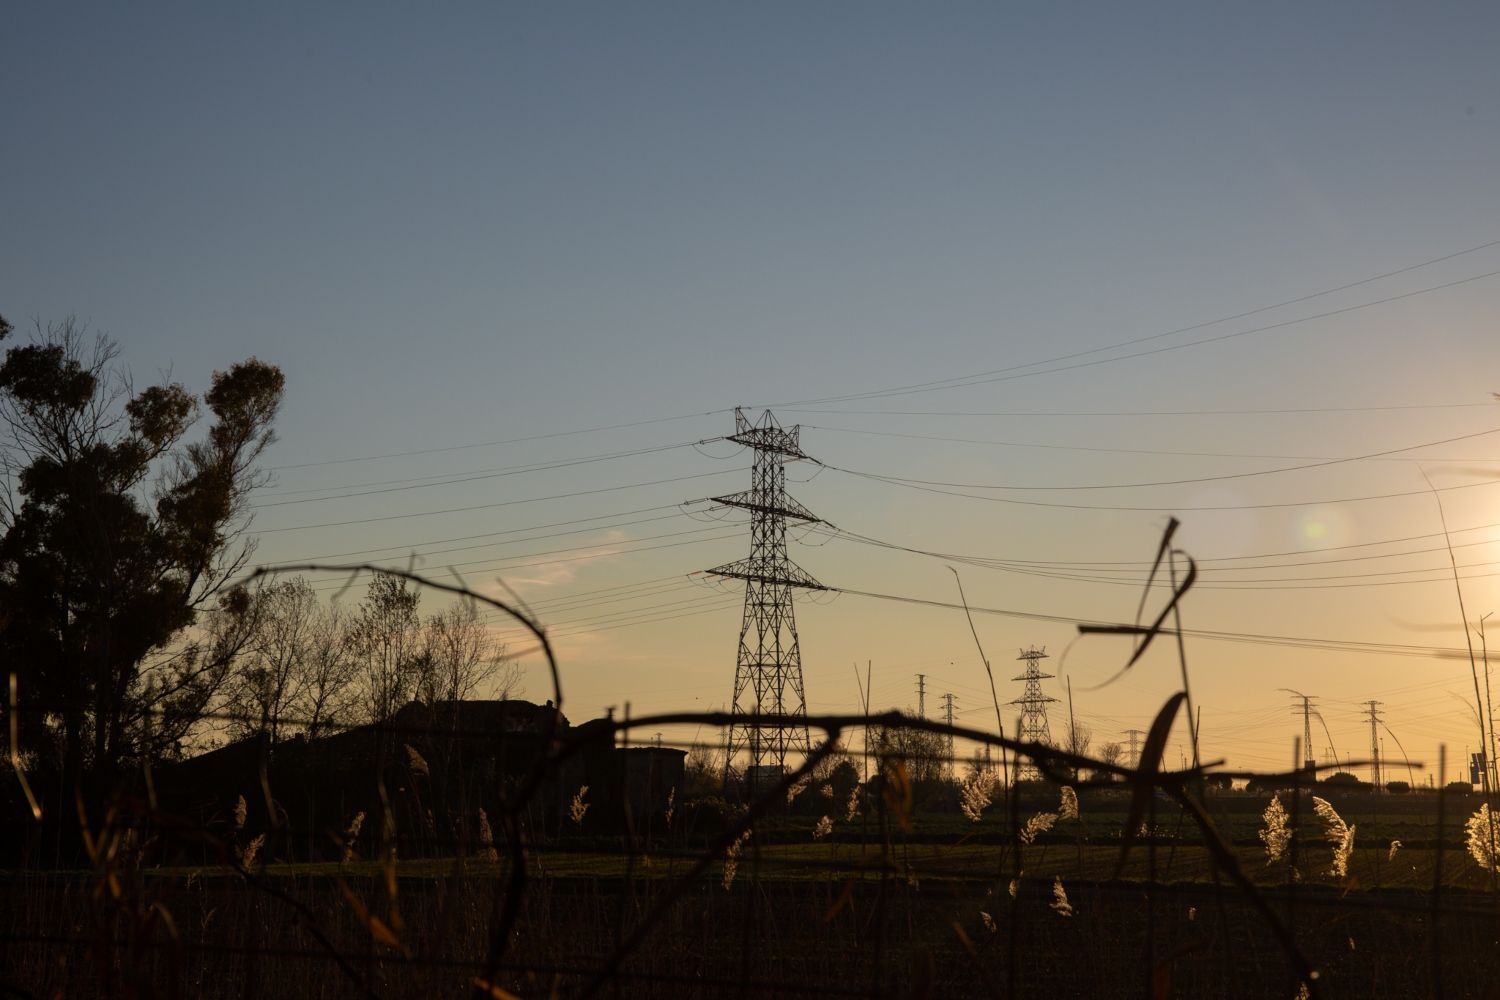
[
  {"x": 511, "y": 531},
  {"x": 491, "y": 444},
  {"x": 1301, "y": 642},
  {"x": 1177, "y": 482},
  {"x": 471, "y": 475},
  {"x": 1012, "y": 372},
  {"x": 1140, "y": 413},
  {"x": 506, "y": 565},
  {"x": 492, "y": 506},
  {"x": 429, "y": 553},
  {"x": 912, "y": 485},
  {"x": 497, "y": 474},
  {"x": 1132, "y": 564},
  {"x": 1124, "y": 451}
]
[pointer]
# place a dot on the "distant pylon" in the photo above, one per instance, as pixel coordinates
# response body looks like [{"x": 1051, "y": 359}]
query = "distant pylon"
[
  {"x": 948, "y": 699},
  {"x": 1135, "y": 746},
  {"x": 1374, "y": 713},
  {"x": 1308, "y": 710},
  {"x": 1033, "y": 704},
  {"x": 922, "y": 696},
  {"x": 768, "y": 669}
]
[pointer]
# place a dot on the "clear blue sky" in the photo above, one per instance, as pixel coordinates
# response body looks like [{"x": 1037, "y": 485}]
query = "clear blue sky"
[{"x": 492, "y": 221}]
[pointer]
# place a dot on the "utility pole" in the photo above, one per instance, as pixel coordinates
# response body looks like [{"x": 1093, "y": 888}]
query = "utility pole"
[
  {"x": 1033, "y": 709},
  {"x": 768, "y": 669},
  {"x": 1374, "y": 713},
  {"x": 922, "y": 696}
]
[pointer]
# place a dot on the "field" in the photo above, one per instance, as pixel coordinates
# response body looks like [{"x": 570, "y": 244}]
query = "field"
[{"x": 871, "y": 909}]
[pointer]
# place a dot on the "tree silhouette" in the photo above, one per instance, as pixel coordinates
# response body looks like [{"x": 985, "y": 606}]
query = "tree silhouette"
[{"x": 120, "y": 539}]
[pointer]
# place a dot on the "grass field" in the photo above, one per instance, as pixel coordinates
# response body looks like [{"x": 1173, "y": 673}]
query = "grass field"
[{"x": 946, "y": 907}]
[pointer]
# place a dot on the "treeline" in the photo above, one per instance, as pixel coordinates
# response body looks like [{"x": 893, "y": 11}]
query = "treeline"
[{"x": 310, "y": 667}]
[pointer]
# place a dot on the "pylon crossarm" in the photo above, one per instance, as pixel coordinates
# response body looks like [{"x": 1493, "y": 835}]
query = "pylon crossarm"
[
  {"x": 787, "y": 575},
  {"x": 786, "y": 507}
]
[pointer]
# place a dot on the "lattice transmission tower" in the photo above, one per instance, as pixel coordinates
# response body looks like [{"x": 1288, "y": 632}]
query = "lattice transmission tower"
[
  {"x": 768, "y": 669},
  {"x": 1033, "y": 705},
  {"x": 1376, "y": 778}
]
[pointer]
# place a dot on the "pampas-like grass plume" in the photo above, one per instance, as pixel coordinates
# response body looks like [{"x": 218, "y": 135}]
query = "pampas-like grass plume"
[
  {"x": 823, "y": 829},
  {"x": 797, "y": 788},
  {"x": 1014, "y": 887},
  {"x": 1060, "y": 898},
  {"x": 579, "y": 807},
  {"x": 417, "y": 762},
  {"x": 486, "y": 838},
  {"x": 826, "y": 791},
  {"x": 1040, "y": 823},
  {"x": 1395, "y": 846},
  {"x": 989, "y": 921},
  {"x": 1339, "y": 834},
  {"x": 239, "y": 814},
  {"x": 1276, "y": 835},
  {"x": 247, "y": 856},
  {"x": 852, "y": 807},
  {"x": 1483, "y": 839},
  {"x": 351, "y": 835},
  {"x": 974, "y": 795},
  {"x": 1068, "y": 809},
  {"x": 732, "y": 858}
]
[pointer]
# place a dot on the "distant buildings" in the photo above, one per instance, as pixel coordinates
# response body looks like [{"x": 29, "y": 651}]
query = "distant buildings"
[{"x": 434, "y": 767}]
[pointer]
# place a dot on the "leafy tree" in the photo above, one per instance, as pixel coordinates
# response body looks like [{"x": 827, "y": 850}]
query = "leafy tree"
[{"x": 120, "y": 538}]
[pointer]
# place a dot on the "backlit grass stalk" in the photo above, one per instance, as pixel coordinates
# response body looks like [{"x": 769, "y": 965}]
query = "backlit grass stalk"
[{"x": 1458, "y": 590}]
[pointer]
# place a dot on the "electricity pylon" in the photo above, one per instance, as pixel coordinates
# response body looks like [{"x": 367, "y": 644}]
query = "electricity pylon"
[
  {"x": 1135, "y": 746},
  {"x": 1033, "y": 704},
  {"x": 768, "y": 669},
  {"x": 1309, "y": 763},
  {"x": 1374, "y": 713},
  {"x": 948, "y": 699}
]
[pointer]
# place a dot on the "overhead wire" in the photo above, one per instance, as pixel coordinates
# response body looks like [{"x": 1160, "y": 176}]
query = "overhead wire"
[
  {"x": 1088, "y": 573},
  {"x": 1171, "y": 482},
  {"x": 506, "y": 565},
  {"x": 407, "y": 546},
  {"x": 475, "y": 475},
  {"x": 1150, "y": 509},
  {"x": 1308, "y": 642},
  {"x": 1131, "y": 451},
  {"x": 612, "y": 526},
  {"x": 1143, "y": 413},
  {"x": 514, "y": 471},
  {"x": 1012, "y": 372},
  {"x": 501, "y": 441},
  {"x": 498, "y": 504}
]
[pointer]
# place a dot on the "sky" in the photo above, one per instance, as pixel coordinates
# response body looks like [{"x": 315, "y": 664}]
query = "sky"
[{"x": 1046, "y": 254}]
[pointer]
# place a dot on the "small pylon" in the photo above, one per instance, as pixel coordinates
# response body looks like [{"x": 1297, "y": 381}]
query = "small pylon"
[{"x": 1033, "y": 703}]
